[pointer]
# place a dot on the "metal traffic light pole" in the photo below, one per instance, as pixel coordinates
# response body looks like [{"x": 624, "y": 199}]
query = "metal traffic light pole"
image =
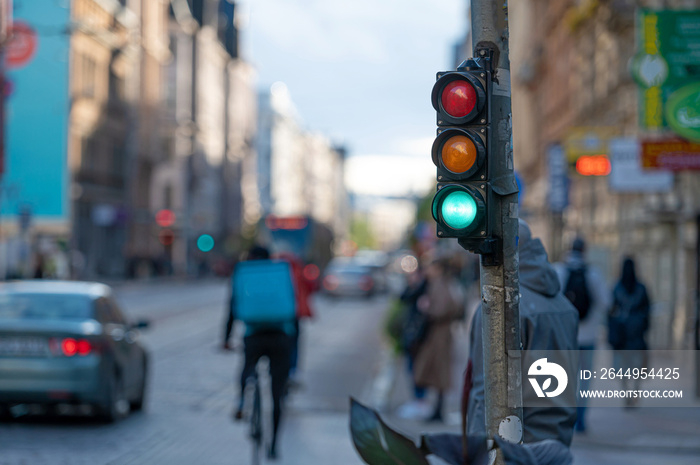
[{"x": 499, "y": 271}]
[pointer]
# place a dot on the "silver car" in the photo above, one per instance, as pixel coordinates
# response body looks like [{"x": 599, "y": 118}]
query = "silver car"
[
  {"x": 345, "y": 278},
  {"x": 65, "y": 342}
]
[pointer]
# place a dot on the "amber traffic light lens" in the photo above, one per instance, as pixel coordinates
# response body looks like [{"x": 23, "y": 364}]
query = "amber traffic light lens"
[{"x": 458, "y": 154}]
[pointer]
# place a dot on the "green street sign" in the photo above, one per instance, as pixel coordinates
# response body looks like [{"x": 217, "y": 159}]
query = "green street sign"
[
  {"x": 683, "y": 112},
  {"x": 649, "y": 70},
  {"x": 667, "y": 60}
]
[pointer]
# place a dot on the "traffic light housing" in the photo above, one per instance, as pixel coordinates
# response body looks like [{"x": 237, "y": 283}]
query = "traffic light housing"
[{"x": 464, "y": 206}]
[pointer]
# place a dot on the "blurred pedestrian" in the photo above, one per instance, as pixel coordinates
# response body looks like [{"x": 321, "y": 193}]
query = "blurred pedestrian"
[
  {"x": 585, "y": 288},
  {"x": 628, "y": 324},
  {"x": 413, "y": 334},
  {"x": 77, "y": 264},
  {"x": 443, "y": 303},
  {"x": 303, "y": 289},
  {"x": 39, "y": 266},
  {"x": 548, "y": 321}
]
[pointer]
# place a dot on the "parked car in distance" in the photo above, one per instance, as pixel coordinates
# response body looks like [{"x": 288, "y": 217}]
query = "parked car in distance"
[
  {"x": 344, "y": 277},
  {"x": 67, "y": 342},
  {"x": 376, "y": 261}
]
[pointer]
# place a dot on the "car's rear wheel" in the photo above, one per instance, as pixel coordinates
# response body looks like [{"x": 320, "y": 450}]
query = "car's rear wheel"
[
  {"x": 5, "y": 414},
  {"x": 137, "y": 404},
  {"x": 117, "y": 405}
]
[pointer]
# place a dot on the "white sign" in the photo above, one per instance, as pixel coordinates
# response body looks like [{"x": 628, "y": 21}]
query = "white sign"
[
  {"x": 626, "y": 173},
  {"x": 558, "y": 196},
  {"x": 104, "y": 214}
]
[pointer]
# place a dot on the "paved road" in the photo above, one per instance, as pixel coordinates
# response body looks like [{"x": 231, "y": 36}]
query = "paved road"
[{"x": 187, "y": 419}]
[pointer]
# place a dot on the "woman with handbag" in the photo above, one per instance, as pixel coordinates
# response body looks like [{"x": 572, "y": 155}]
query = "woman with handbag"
[
  {"x": 628, "y": 323},
  {"x": 442, "y": 304}
]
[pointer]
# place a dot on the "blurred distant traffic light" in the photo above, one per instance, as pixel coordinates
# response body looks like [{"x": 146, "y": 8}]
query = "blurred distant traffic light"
[
  {"x": 462, "y": 206},
  {"x": 166, "y": 237},
  {"x": 205, "y": 243},
  {"x": 165, "y": 218}
]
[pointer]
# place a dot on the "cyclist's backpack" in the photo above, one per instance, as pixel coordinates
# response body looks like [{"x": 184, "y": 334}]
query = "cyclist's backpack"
[
  {"x": 263, "y": 292},
  {"x": 576, "y": 291}
]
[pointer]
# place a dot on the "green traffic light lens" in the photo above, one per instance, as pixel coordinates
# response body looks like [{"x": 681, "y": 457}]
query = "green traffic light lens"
[
  {"x": 205, "y": 243},
  {"x": 458, "y": 210}
]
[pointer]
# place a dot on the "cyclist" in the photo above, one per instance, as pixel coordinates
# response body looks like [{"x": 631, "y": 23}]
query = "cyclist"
[{"x": 271, "y": 340}]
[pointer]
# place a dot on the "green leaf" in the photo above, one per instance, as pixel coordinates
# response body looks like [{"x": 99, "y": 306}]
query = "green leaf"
[
  {"x": 378, "y": 444},
  {"x": 448, "y": 446}
]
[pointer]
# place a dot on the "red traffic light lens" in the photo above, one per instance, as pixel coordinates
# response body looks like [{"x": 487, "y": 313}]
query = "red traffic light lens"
[
  {"x": 458, "y": 98},
  {"x": 458, "y": 154},
  {"x": 165, "y": 218},
  {"x": 166, "y": 237}
]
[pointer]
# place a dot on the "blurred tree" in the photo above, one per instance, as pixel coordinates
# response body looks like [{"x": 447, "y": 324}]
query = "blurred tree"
[
  {"x": 423, "y": 212},
  {"x": 361, "y": 233}
]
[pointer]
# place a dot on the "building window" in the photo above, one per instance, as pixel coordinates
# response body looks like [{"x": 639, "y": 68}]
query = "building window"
[
  {"x": 86, "y": 70},
  {"x": 116, "y": 87},
  {"x": 88, "y": 154},
  {"x": 118, "y": 158},
  {"x": 168, "y": 196},
  {"x": 168, "y": 147}
]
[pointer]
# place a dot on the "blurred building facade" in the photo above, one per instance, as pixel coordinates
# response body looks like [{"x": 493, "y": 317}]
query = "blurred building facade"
[
  {"x": 570, "y": 76},
  {"x": 206, "y": 180},
  {"x": 161, "y": 115},
  {"x": 300, "y": 173},
  {"x": 104, "y": 66},
  {"x": 163, "y": 118}
]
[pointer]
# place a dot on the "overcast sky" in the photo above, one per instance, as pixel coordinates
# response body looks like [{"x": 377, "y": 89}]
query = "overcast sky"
[{"x": 359, "y": 71}]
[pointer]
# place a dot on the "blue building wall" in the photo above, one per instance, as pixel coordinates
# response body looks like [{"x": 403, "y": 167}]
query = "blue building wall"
[{"x": 36, "y": 175}]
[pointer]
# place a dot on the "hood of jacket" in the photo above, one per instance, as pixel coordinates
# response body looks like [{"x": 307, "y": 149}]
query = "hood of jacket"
[{"x": 536, "y": 273}]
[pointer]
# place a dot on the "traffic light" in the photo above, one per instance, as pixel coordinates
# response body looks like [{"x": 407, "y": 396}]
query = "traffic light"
[
  {"x": 165, "y": 219},
  {"x": 463, "y": 205}
]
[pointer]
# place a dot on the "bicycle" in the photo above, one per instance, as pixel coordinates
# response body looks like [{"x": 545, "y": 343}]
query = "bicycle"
[{"x": 255, "y": 416}]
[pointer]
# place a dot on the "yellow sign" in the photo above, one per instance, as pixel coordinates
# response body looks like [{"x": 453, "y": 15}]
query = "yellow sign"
[{"x": 585, "y": 141}]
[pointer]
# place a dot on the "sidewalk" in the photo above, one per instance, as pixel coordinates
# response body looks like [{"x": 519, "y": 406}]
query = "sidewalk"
[
  {"x": 672, "y": 429},
  {"x": 636, "y": 431},
  {"x": 401, "y": 386}
]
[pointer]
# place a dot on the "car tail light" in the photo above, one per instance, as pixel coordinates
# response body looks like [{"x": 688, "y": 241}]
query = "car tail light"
[
  {"x": 330, "y": 282},
  {"x": 367, "y": 283},
  {"x": 84, "y": 347},
  {"x": 70, "y": 347}
]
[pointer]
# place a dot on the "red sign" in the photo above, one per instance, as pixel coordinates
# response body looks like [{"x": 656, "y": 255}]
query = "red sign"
[
  {"x": 675, "y": 155},
  {"x": 290, "y": 222},
  {"x": 21, "y": 46},
  {"x": 593, "y": 165}
]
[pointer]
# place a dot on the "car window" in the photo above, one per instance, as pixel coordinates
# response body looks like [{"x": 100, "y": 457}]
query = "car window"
[
  {"x": 27, "y": 306},
  {"x": 108, "y": 312},
  {"x": 102, "y": 311},
  {"x": 348, "y": 270},
  {"x": 116, "y": 311}
]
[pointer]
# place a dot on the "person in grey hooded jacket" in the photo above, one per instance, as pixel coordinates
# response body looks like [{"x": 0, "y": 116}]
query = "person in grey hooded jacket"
[{"x": 548, "y": 321}]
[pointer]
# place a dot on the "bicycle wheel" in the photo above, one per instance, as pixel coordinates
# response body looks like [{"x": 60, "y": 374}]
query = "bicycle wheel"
[{"x": 256, "y": 425}]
